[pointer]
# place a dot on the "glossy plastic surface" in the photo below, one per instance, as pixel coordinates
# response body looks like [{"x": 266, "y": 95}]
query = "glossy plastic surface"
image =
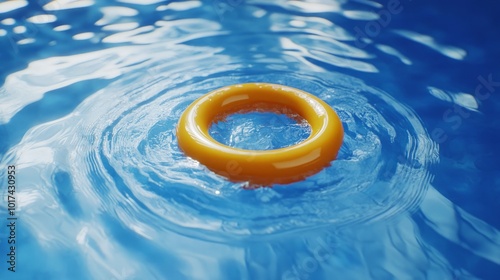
[{"x": 261, "y": 167}]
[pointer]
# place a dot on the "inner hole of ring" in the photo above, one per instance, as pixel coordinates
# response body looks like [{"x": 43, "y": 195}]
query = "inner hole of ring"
[{"x": 260, "y": 129}]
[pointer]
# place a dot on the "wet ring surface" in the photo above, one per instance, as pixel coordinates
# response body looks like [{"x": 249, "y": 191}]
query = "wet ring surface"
[{"x": 261, "y": 167}]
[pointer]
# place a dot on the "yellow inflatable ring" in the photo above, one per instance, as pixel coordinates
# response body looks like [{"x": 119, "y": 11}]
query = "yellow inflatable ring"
[{"x": 261, "y": 167}]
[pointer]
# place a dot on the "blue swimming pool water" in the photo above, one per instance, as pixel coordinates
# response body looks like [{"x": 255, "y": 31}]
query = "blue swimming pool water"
[
  {"x": 260, "y": 130},
  {"x": 91, "y": 92}
]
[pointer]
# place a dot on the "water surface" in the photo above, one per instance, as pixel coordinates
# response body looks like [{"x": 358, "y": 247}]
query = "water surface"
[{"x": 90, "y": 96}]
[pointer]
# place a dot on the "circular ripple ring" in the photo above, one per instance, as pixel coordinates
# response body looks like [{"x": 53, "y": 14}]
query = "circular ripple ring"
[{"x": 258, "y": 167}]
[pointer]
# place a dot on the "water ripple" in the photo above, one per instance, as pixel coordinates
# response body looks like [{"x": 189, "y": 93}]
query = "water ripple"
[
  {"x": 123, "y": 138},
  {"x": 108, "y": 172}
]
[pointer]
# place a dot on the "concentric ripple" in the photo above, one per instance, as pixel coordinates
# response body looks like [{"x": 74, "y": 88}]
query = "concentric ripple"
[
  {"x": 119, "y": 148},
  {"x": 381, "y": 169},
  {"x": 125, "y": 157},
  {"x": 109, "y": 165}
]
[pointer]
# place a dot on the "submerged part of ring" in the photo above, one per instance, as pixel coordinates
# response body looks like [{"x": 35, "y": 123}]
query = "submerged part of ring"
[{"x": 261, "y": 167}]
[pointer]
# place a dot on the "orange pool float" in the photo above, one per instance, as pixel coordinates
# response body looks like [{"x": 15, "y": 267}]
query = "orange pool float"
[{"x": 261, "y": 167}]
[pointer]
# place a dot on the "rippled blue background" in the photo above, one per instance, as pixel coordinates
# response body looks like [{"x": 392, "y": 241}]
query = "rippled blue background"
[{"x": 91, "y": 92}]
